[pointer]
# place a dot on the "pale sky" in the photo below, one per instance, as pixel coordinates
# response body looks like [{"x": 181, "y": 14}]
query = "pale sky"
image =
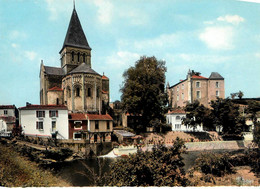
[{"x": 203, "y": 35}]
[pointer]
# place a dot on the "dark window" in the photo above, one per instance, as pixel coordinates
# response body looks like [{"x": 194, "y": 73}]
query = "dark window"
[
  {"x": 77, "y": 136},
  {"x": 77, "y": 91},
  {"x": 97, "y": 92},
  {"x": 53, "y": 113},
  {"x": 40, "y": 113},
  {"x": 39, "y": 125},
  {"x": 84, "y": 57},
  {"x": 53, "y": 126},
  {"x": 178, "y": 117},
  {"x": 78, "y": 57},
  {"x": 96, "y": 124},
  {"x": 89, "y": 92},
  {"x": 77, "y": 125},
  {"x": 108, "y": 126},
  {"x": 95, "y": 138},
  {"x": 5, "y": 112},
  {"x": 57, "y": 101},
  {"x": 72, "y": 56}
]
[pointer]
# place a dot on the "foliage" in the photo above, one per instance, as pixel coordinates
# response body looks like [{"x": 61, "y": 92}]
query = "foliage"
[
  {"x": 239, "y": 94},
  {"x": 96, "y": 176},
  {"x": 143, "y": 90},
  {"x": 15, "y": 171},
  {"x": 226, "y": 114},
  {"x": 213, "y": 163},
  {"x": 59, "y": 155},
  {"x": 198, "y": 114},
  {"x": 160, "y": 127},
  {"x": 161, "y": 167}
]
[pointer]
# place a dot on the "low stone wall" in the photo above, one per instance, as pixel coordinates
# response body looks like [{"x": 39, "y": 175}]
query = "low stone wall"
[{"x": 217, "y": 145}]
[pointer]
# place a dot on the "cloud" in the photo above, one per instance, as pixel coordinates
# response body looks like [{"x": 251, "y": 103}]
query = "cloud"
[
  {"x": 233, "y": 19},
  {"x": 17, "y": 35},
  {"x": 14, "y": 45},
  {"x": 217, "y": 37},
  {"x": 31, "y": 55},
  {"x": 56, "y": 7},
  {"x": 251, "y": 1},
  {"x": 257, "y": 55},
  {"x": 122, "y": 59},
  {"x": 162, "y": 41},
  {"x": 134, "y": 16},
  {"x": 105, "y": 11}
]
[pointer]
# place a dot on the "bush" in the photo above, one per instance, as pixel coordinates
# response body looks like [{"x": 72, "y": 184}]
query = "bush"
[
  {"x": 59, "y": 155},
  {"x": 214, "y": 163},
  {"x": 161, "y": 167}
]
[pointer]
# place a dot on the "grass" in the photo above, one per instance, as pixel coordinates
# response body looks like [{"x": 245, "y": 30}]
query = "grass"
[{"x": 17, "y": 171}]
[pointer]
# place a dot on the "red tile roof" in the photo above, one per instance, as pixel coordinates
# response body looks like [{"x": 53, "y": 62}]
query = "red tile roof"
[
  {"x": 7, "y": 107},
  {"x": 77, "y": 116},
  {"x": 99, "y": 117},
  {"x": 104, "y": 77},
  {"x": 198, "y": 77},
  {"x": 177, "y": 111},
  {"x": 104, "y": 92},
  {"x": 55, "y": 89},
  {"x": 44, "y": 107}
]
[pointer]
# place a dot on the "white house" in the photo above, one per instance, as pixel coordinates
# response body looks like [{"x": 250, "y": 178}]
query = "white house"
[
  {"x": 175, "y": 117},
  {"x": 8, "y": 119},
  {"x": 44, "y": 121}
]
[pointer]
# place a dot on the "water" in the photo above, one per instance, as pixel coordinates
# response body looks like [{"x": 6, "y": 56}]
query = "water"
[{"x": 77, "y": 172}]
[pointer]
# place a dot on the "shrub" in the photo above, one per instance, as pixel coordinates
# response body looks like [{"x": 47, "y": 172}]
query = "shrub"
[{"x": 213, "y": 163}]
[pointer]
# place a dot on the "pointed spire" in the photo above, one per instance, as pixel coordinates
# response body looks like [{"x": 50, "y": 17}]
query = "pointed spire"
[
  {"x": 73, "y": 4},
  {"x": 75, "y": 36}
]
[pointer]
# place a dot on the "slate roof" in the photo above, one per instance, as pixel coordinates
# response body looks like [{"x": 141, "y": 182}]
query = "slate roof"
[
  {"x": 124, "y": 133},
  {"x": 83, "y": 68},
  {"x": 75, "y": 36},
  {"x": 215, "y": 75},
  {"x": 53, "y": 70}
]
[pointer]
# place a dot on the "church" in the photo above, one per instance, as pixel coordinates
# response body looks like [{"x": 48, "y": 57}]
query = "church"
[{"x": 74, "y": 84}]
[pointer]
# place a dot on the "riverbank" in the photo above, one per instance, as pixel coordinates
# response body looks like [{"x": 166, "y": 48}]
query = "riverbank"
[{"x": 18, "y": 171}]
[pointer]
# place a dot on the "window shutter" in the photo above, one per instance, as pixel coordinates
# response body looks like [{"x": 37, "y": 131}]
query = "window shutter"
[
  {"x": 37, "y": 114},
  {"x": 43, "y": 114},
  {"x": 50, "y": 113},
  {"x": 57, "y": 115},
  {"x": 37, "y": 125}
]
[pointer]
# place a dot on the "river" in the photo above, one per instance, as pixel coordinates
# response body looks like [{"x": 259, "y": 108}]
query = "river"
[{"x": 74, "y": 171}]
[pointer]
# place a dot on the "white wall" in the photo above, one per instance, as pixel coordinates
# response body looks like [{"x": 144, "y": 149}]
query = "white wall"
[
  {"x": 28, "y": 121},
  {"x": 3, "y": 126},
  {"x": 171, "y": 119},
  {"x": 10, "y": 112}
]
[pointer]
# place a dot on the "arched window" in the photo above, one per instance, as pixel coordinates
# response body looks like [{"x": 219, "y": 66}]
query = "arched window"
[
  {"x": 89, "y": 92},
  {"x": 178, "y": 117},
  {"x": 77, "y": 91},
  {"x": 84, "y": 57},
  {"x": 97, "y": 92},
  {"x": 78, "y": 57},
  {"x": 72, "y": 56}
]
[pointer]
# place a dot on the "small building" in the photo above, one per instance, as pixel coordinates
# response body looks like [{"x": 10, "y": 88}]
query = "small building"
[
  {"x": 94, "y": 128},
  {"x": 124, "y": 136},
  {"x": 175, "y": 117},
  {"x": 44, "y": 121},
  {"x": 8, "y": 119},
  {"x": 100, "y": 128}
]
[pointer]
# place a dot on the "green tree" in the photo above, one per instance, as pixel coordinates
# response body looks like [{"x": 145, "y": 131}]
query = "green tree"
[
  {"x": 161, "y": 167},
  {"x": 143, "y": 91},
  {"x": 226, "y": 114},
  {"x": 252, "y": 109},
  {"x": 197, "y": 114},
  {"x": 240, "y": 94}
]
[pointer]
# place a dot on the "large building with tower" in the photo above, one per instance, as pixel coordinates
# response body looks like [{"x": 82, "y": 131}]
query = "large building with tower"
[
  {"x": 196, "y": 87},
  {"x": 74, "y": 84}
]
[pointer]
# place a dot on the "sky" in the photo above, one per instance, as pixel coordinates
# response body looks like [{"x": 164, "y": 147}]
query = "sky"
[{"x": 205, "y": 36}]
